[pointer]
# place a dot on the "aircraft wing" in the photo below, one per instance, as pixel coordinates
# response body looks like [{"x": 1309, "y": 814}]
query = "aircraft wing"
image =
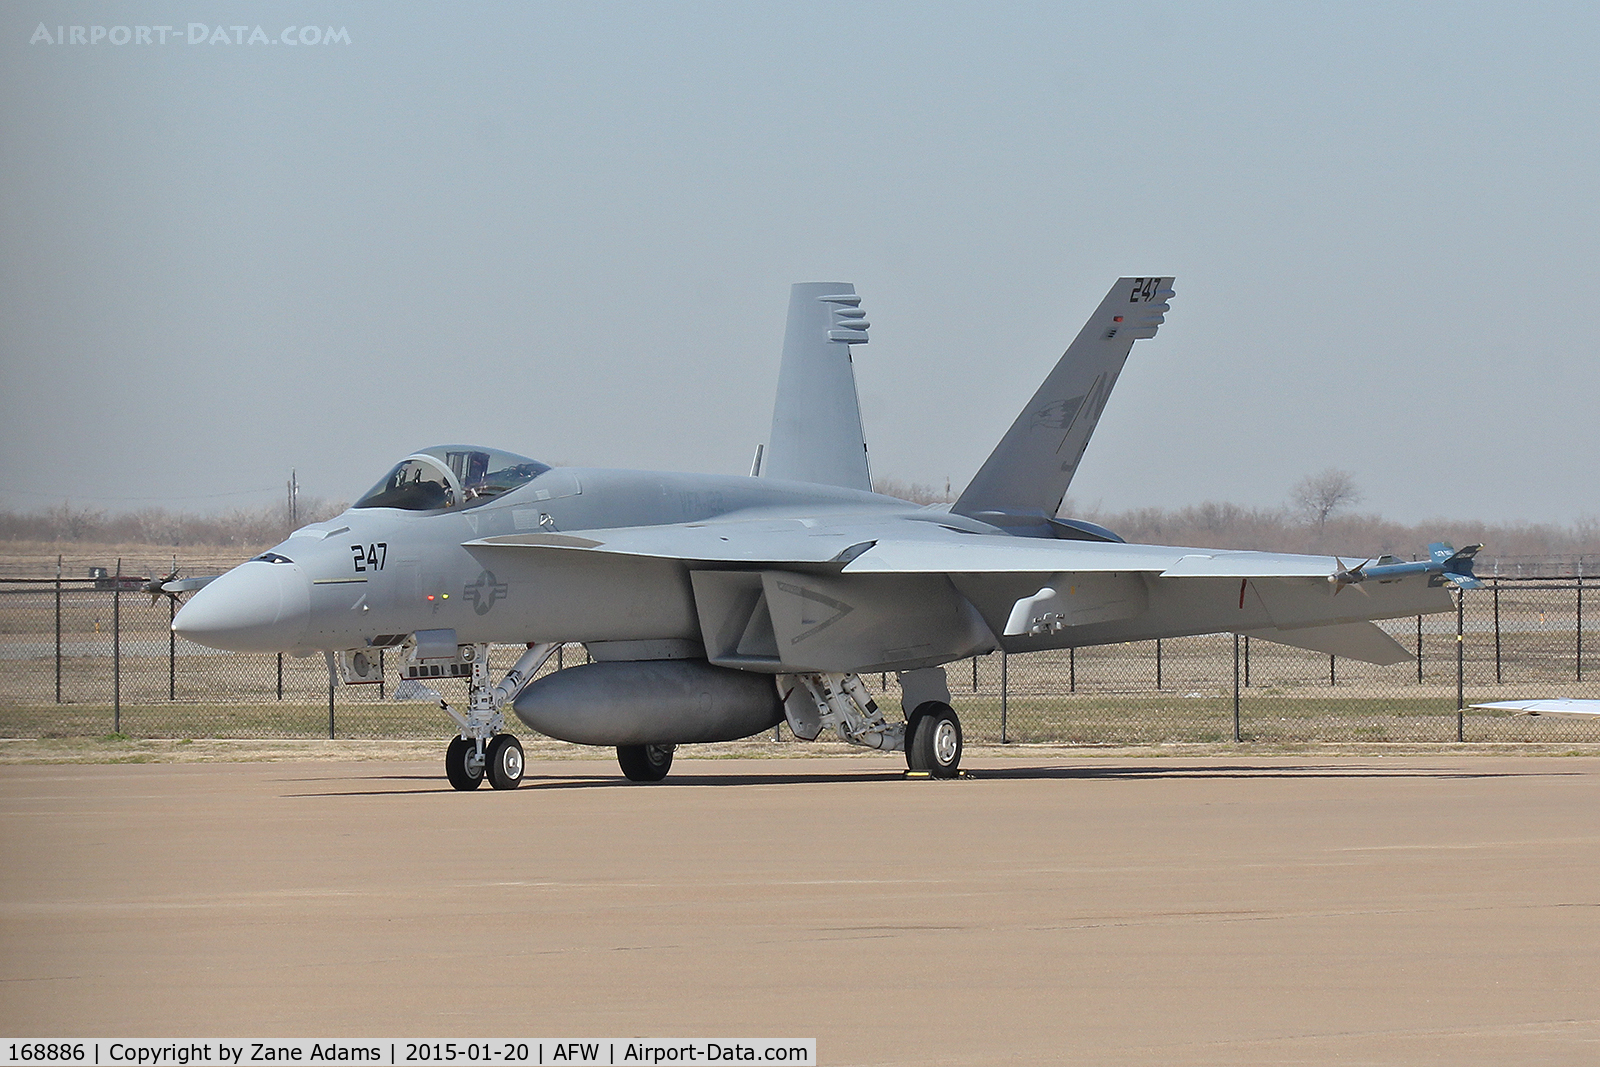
[
  {"x": 770, "y": 543},
  {"x": 1563, "y": 706},
  {"x": 871, "y": 592},
  {"x": 884, "y": 548},
  {"x": 1033, "y": 555}
]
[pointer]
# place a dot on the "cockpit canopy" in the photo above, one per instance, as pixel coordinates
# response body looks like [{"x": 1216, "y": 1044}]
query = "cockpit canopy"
[{"x": 451, "y": 476}]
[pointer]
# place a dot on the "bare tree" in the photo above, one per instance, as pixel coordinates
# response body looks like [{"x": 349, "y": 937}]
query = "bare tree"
[
  {"x": 1317, "y": 496},
  {"x": 74, "y": 524}
]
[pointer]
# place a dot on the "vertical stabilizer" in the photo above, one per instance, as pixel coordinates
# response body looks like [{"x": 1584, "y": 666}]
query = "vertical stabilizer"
[
  {"x": 816, "y": 419},
  {"x": 1021, "y": 485}
]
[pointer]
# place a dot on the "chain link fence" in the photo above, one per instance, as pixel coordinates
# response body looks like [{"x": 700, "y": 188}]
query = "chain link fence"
[{"x": 93, "y": 657}]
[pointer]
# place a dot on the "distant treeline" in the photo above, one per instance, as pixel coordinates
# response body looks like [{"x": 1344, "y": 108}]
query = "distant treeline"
[
  {"x": 1212, "y": 525},
  {"x": 1296, "y": 527},
  {"x": 1209, "y": 525},
  {"x": 158, "y": 526}
]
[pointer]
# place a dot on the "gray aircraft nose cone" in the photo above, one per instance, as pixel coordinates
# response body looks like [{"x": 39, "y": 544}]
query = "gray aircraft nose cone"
[{"x": 256, "y": 607}]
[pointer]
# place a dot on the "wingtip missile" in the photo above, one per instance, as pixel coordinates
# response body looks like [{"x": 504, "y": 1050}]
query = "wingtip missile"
[{"x": 1444, "y": 564}]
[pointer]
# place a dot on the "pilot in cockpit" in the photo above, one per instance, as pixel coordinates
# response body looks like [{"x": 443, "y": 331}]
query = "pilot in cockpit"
[{"x": 448, "y": 476}]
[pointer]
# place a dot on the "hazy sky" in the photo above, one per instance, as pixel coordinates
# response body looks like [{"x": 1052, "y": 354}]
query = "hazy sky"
[{"x": 569, "y": 230}]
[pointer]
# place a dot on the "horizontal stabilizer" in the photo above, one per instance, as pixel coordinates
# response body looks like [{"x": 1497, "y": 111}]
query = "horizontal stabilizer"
[
  {"x": 1354, "y": 640},
  {"x": 1023, "y": 481}
]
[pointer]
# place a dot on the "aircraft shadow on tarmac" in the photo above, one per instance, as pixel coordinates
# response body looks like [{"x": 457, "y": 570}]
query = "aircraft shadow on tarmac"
[{"x": 404, "y": 784}]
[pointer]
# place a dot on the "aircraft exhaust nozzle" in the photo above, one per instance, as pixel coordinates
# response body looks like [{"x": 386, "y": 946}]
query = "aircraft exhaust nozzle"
[{"x": 650, "y": 702}]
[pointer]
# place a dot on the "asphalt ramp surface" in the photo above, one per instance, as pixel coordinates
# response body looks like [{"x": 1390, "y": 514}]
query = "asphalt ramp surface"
[{"x": 1406, "y": 910}]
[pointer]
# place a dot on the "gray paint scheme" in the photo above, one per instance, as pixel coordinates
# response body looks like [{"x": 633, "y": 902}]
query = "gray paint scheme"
[
  {"x": 676, "y": 702},
  {"x": 1022, "y": 483},
  {"x": 775, "y": 576},
  {"x": 816, "y": 421}
]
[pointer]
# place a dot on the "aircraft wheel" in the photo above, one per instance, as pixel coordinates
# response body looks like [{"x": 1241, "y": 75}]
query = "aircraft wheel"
[
  {"x": 645, "y": 763},
  {"x": 458, "y": 764},
  {"x": 911, "y": 733},
  {"x": 503, "y": 762},
  {"x": 933, "y": 740},
  {"x": 916, "y": 716}
]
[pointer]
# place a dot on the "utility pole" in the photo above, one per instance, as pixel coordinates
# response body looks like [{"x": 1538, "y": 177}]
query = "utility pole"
[{"x": 294, "y": 499}]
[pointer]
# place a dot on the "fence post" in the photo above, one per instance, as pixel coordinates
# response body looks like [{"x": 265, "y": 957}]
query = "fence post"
[
  {"x": 974, "y": 674},
  {"x": 172, "y": 649},
  {"x": 116, "y": 651},
  {"x": 1236, "y": 734},
  {"x": 280, "y": 675},
  {"x": 1158, "y": 663},
  {"x": 1333, "y": 675},
  {"x": 330, "y": 706},
  {"x": 1247, "y": 661},
  {"x": 1419, "y": 649},
  {"x": 1005, "y": 694},
  {"x": 1072, "y": 670},
  {"x": 58, "y": 629},
  {"x": 1497, "y": 631},
  {"x": 1580, "y": 622},
  {"x": 1461, "y": 661},
  {"x": 382, "y": 676}
]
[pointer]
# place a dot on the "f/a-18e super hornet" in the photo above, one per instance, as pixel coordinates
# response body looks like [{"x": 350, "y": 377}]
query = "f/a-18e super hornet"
[{"x": 714, "y": 607}]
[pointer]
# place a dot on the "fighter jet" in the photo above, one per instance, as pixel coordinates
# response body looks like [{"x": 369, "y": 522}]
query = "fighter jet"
[{"x": 715, "y": 607}]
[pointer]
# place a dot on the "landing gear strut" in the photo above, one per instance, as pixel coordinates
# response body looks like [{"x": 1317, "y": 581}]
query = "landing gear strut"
[
  {"x": 930, "y": 736},
  {"x": 481, "y": 751}
]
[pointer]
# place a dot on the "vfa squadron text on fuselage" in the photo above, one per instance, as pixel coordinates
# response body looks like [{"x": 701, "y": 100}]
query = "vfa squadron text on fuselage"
[{"x": 714, "y": 607}]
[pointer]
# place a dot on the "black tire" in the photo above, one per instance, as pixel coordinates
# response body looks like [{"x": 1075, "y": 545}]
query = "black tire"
[
  {"x": 911, "y": 733},
  {"x": 645, "y": 763},
  {"x": 458, "y": 766},
  {"x": 933, "y": 740},
  {"x": 502, "y": 762}
]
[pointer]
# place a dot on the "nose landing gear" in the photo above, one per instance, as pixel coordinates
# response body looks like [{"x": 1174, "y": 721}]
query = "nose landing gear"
[
  {"x": 462, "y": 764},
  {"x": 503, "y": 762},
  {"x": 481, "y": 751}
]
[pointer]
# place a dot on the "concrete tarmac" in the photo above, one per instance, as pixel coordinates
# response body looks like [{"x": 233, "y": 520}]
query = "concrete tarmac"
[{"x": 1440, "y": 909}]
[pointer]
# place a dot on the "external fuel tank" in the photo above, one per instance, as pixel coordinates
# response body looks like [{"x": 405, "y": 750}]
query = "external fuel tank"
[{"x": 642, "y": 702}]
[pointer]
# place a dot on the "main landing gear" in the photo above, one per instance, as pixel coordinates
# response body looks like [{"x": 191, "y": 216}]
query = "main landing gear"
[
  {"x": 933, "y": 740},
  {"x": 645, "y": 763},
  {"x": 481, "y": 751},
  {"x": 500, "y": 762},
  {"x": 930, "y": 736}
]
